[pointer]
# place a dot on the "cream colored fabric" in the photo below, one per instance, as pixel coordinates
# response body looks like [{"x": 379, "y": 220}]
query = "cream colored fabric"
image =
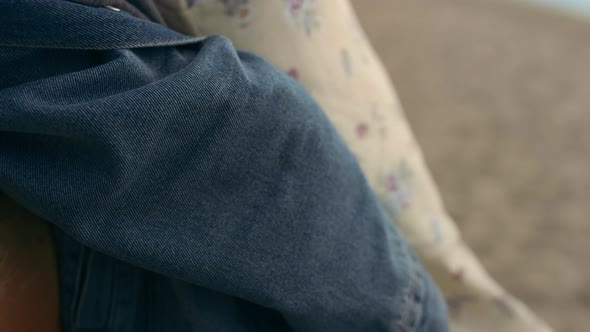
[{"x": 320, "y": 44}]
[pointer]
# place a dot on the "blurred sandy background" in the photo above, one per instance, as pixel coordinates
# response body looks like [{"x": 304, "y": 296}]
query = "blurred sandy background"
[{"x": 498, "y": 94}]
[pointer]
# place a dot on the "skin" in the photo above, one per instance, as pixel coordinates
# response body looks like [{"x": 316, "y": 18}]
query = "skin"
[{"x": 29, "y": 294}]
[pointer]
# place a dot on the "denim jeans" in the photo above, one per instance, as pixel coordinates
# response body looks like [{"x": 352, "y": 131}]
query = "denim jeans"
[{"x": 192, "y": 186}]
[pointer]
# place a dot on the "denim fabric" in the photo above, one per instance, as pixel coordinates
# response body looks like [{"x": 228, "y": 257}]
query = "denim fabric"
[{"x": 192, "y": 187}]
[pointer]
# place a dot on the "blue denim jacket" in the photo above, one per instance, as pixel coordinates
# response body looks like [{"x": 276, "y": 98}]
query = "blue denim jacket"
[{"x": 192, "y": 187}]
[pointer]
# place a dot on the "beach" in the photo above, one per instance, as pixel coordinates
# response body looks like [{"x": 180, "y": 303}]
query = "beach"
[{"x": 498, "y": 95}]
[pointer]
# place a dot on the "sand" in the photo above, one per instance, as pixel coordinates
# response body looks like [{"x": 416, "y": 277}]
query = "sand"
[{"x": 498, "y": 95}]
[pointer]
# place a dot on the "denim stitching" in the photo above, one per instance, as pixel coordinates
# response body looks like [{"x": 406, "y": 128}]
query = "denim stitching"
[
  {"x": 404, "y": 323},
  {"x": 125, "y": 44}
]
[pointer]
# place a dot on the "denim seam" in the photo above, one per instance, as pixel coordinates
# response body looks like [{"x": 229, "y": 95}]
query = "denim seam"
[
  {"x": 82, "y": 286},
  {"x": 408, "y": 319},
  {"x": 125, "y": 44},
  {"x": 405, "y": 320}
]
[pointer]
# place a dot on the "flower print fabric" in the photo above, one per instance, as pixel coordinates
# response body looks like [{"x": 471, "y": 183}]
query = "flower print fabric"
[
  {"x": 302, "y": 12},
  {"x": 321, "y": 44}
]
